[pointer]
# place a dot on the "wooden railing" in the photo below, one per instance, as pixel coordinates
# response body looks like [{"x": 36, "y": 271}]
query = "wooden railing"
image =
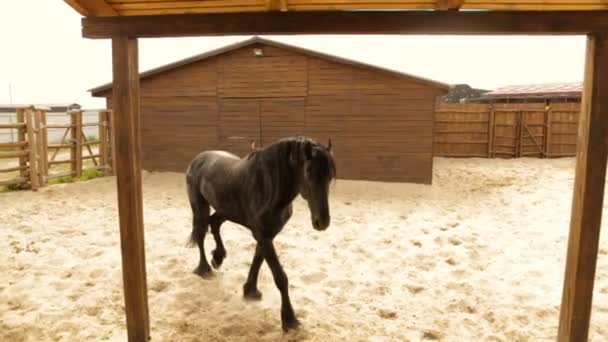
[
  {"x": 505, "y": 130},
  {"x": 35, "y": 168}
]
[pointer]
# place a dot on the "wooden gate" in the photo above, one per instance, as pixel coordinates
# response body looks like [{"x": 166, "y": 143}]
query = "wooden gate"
[
  {"x": 518, "y": 133},
  {"x": 506, "y": 130}
]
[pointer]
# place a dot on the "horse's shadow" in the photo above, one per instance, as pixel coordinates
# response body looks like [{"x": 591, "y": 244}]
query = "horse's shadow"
[{"x": 214, "y": 310}]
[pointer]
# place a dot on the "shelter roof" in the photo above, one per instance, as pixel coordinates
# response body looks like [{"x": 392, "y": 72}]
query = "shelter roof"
[{"x": 112, "y": 8}]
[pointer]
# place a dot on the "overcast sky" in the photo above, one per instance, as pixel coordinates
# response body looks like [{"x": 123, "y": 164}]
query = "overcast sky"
[{"x": 45, "y": 59}]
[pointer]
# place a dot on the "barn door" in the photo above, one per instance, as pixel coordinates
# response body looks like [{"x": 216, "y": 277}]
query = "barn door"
[
  {"x": 239, "y": 124},
  {"x": 281, "y": 117}
]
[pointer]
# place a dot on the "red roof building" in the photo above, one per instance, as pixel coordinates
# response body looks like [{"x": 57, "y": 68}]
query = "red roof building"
[{"x": 546, "y": 92}]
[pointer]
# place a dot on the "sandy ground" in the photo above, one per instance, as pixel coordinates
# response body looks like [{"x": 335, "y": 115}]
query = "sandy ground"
[{"x": 478, "y": 256}]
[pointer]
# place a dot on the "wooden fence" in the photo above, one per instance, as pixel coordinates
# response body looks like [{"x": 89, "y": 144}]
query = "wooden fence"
[
  {"x": 32, "y": 148},
  {"x": 506, "y": 130}
]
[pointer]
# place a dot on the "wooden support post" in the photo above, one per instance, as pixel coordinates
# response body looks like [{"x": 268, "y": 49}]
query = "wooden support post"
[
  {"x": 128, "y": 177},
  {"x": 587, "y": 201},
  {"x": 33, "y": 147},
  {"x": 103, "y": 139},
  {"x": 76, "y": 136},
  {"x": 21, "y": 137}
]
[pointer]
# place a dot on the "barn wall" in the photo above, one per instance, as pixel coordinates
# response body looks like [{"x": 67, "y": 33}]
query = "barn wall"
[
  {"x": 381, "y": 125},
  {"x": 179, "y": 110}
]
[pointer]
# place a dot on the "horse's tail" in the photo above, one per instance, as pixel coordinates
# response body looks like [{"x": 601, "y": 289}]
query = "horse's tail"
[{"x": 197, "y": 203}]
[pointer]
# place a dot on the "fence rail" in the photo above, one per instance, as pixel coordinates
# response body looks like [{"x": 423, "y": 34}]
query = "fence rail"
[
  {"x": 506, "y": 130},
  {"x": 35, "y": 168}
]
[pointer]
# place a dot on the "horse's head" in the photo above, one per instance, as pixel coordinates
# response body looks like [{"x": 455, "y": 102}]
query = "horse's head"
[{"x": 318, "y": 170}]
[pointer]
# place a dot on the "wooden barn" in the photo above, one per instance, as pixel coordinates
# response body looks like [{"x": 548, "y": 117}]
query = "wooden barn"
[{"x": 380, "y": 121}]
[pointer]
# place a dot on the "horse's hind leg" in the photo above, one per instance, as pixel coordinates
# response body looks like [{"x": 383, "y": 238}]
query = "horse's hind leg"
[
  {"x": 200, "y": 224},
  {"x": 219, "y": 253}
]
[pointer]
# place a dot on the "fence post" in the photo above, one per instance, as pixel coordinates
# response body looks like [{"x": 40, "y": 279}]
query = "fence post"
[
  {"x": 40, "y": 155},
  {"x": 111, "y": 142},
  {"x": 549, "y": 112},
  {"x": 21, "y": 137},
  {"x": 491, "y": 132},
  {"x": 45, "y": 143},
  {"x": 76, "y": 137},
  {"x": 520, "y": 132},
  {"x": 32, "y": 145},
  {"x": 103, "y": 140}
]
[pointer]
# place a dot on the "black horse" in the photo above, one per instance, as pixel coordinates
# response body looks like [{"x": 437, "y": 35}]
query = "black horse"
[{"x": 257, "y": 192}]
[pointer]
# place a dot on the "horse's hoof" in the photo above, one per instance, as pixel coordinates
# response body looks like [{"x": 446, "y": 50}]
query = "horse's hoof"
[
  {"x": 292, "y": 324},
  {"x": 251, "y": 294},
  {"x": 218, "y": 258},
  {"x": 205, "y": 273}
]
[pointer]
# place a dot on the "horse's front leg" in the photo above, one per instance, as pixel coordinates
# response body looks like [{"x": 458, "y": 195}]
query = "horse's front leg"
[
  {"x": 250, "y": 288},
  {"x": 288, "y": 317}
]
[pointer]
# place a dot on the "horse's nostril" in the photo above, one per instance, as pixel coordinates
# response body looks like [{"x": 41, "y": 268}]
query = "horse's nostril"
[{"x": 316, "y": 224}]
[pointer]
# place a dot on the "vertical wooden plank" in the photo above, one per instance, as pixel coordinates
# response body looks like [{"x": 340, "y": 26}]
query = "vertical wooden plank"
[
  {"x": 587, "y": 202},
  {"x": 103, "y": 140},
  {"x": 128, "y": 176},
  {"x": 548, "y": 133},
  {"x": 491, "y": 132},
  {"x": 21, "y": 137},
  {"x": 33, "y": 147},
  {"x": 76, "y": 135}
]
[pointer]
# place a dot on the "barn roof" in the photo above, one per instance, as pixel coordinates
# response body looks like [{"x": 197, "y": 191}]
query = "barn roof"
[
  {"x": 566, "y": 89},
  {"x": 258, "y": 40}
]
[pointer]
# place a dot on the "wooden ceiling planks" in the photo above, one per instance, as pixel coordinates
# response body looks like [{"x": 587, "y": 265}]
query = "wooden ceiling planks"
[
  {"x": 102, "y": 8},
  {"x": 93, "y": 8}
]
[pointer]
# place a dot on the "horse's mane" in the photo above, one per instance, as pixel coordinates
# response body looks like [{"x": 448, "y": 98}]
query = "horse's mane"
[{"x": 274, "y": 167}]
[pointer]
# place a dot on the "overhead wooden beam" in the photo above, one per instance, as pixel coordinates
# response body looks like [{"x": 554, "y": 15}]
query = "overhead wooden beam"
[
  {"x": 338, "y": 22},
  {"x": 587, "y": 203},
  {"x": 92, "y": 8},
  {"x": 449, "y": 4},
  {"x": 128, "y": 177},
  {"x": 276, "y": 5}
]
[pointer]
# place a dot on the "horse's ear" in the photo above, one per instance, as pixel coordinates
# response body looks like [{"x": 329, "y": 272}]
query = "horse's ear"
[
  {"x": 253, "y": 145},
  {"x": 329, "y": 145}
]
